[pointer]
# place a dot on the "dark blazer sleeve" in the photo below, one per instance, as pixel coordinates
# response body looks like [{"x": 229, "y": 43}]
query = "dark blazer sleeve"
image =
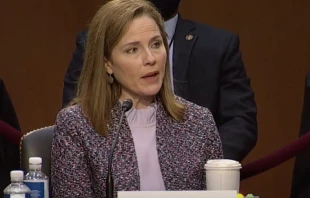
[
  {"x": 237, "y": 121},
  {"x": 74, "y": 70},
  {"x": 7, "y": 111},
  {"x": 9, "y": 152}
]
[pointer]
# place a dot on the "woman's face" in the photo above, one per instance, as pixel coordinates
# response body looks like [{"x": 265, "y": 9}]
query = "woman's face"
[{"x": 138, "y": 61}]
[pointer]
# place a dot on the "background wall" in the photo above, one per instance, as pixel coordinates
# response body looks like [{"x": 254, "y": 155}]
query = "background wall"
[{"x": 38, "y": 38}]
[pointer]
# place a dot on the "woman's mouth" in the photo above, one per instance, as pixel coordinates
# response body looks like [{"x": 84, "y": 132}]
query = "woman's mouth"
[{"x": 151, "y": 76}]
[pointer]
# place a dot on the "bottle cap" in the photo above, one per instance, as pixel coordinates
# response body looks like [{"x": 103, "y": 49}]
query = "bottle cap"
[
  {"x": 17, "y": 175},
  {"x": 35, "y": 160}
]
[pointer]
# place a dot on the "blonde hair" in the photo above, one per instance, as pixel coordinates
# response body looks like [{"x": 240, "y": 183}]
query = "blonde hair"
[{"x": 94, "y": 94}]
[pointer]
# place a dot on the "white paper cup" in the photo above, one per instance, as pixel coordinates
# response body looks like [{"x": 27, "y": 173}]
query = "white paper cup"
[{"x": 223, "y": 174}]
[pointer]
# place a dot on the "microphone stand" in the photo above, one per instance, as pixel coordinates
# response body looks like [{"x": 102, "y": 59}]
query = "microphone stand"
[{"x": 127, "y": 104}]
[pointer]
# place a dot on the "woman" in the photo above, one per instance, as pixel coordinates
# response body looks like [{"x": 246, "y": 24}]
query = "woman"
[{"x": 164, "y": 141}]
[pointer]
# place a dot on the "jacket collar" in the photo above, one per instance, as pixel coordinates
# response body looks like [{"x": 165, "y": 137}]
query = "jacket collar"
[{"x": 185, "y": 38}]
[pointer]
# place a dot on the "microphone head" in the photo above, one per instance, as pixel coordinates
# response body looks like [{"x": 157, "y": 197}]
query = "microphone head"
[{"x": 127, "y": 104}]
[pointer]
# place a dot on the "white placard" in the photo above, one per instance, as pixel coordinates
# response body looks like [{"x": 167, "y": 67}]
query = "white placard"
[{"x": 177, "y": 194}]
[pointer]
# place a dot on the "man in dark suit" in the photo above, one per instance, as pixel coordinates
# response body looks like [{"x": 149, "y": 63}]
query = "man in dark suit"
[
  {"x": 300, "y": 187},
  {"x": 9, "y": 152},
  {"x": 207, "y": 69}
]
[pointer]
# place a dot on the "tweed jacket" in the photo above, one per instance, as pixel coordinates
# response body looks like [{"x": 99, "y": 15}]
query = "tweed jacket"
[{"x": 79, "y": 154}]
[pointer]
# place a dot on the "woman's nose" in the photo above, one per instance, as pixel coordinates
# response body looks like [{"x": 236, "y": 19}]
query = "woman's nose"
[{"x": 149, "y": 58}]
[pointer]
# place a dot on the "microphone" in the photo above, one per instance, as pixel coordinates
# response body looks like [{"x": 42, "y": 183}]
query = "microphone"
[{"x": 127, "y": 104}]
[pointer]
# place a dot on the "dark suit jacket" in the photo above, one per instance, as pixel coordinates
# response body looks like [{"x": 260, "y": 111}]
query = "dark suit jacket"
[
  {"x": 208, "y": 70},
  {"x": 183, "y": 148},
  {"x": 9, "y": 152},
  {"x": 301, "y": 174}
]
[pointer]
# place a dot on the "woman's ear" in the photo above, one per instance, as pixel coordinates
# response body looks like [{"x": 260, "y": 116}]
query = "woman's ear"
[{"x": 108, "y": 68}]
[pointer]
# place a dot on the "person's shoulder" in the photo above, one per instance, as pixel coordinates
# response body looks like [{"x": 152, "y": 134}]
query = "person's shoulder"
[
  {"x": 198, "y": 117},
  {"x": 70, "y": 117},
  {"x": 194, "y": 111},
  {"x": 70, "y": 112},
  {"x": 81, "y": 37},
  {"x": 212, "y": 35},
  {"x": 203, "y": 27},
  {"x": 1, "y": 85}
]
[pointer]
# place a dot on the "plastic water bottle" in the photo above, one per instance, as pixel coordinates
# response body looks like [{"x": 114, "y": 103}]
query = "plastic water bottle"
[
  {"x": 17, "y": 189},
  {"x": 36, "y": 180}
]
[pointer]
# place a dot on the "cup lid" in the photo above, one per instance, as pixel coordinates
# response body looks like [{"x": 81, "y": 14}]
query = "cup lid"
[{"x": 222, "y": 163}]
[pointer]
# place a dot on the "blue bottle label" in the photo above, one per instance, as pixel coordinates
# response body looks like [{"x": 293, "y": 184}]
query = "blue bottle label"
[
  {"x": 17, "y": 196},
  {"x": 39, "y": 189}
]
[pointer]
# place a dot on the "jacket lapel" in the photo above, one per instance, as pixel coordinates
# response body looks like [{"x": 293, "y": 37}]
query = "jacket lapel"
[
  {"x": 162, "y": 147},
  {"x": 125, "y": 169},
  {"x": 184, "y": 41},
  {"x": 166, "y": 148}
]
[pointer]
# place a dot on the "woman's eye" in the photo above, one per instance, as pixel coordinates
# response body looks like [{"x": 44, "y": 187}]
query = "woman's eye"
[
  {"x": 132, "y": 50},
  {"x": 157, "y": 44}
]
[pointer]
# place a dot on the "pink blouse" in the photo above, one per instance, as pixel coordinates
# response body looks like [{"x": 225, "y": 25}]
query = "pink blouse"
[{"x": 142, "y": 123}]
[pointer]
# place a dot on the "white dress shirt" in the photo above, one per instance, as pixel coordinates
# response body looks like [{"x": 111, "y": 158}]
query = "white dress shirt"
[{"x": 170, "y": 26}]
